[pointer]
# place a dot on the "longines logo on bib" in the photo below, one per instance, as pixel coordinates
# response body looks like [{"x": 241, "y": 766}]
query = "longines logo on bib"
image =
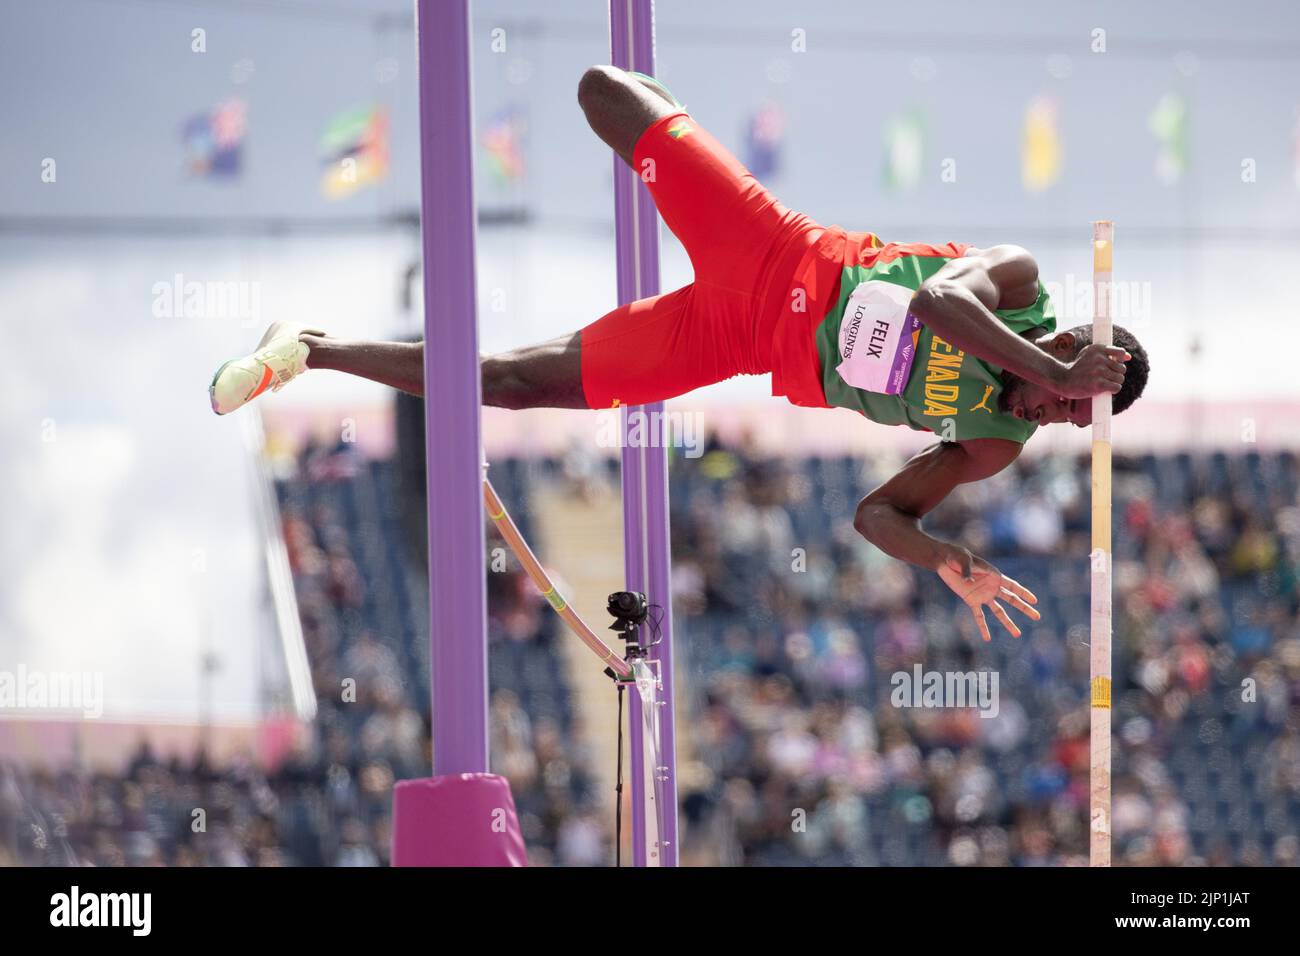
[{"x": 878, "y": 338}]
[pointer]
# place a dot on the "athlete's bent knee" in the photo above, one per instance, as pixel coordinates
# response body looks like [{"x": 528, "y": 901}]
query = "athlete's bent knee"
[{"x": 598, "y": 86}]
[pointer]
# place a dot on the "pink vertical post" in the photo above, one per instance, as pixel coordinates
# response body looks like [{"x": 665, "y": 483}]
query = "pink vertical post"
[
  {"x": 646, "y": 548},
  {"x": 463, "y": 816}
]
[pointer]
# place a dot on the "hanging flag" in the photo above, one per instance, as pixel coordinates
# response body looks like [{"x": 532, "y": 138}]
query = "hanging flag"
[
  {"x": 354, "y": 151},
  {"x": 502, "y": 140},
  {"x": 1168, "y": 122},
  {"x": 1040, "y": 152},
  {"x": 213, "y": 141},
  {"x": 904, "y": 151},
  {"x": 764, "y": 135}
]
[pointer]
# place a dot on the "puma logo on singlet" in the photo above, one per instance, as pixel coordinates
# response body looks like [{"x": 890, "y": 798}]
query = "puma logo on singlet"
[
  {"x": 988, "y": 390},
  {"x": 679, "y": 129}
]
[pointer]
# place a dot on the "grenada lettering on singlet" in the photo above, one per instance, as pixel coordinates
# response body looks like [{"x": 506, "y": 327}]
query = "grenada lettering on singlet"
[
  {"x": 942, "y": 366},
  {"x": 878, "y": 338}
]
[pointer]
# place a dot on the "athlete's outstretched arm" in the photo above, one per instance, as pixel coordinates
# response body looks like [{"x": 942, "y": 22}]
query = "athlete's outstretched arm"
[
  {"x": 957, "y": 303},
  {"x": 890, "y": 518}
]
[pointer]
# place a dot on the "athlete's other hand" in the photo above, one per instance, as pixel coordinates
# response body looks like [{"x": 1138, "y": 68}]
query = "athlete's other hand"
[
  {"x": 980, "y": 584},
  {"x": 1096, "y": 369}
]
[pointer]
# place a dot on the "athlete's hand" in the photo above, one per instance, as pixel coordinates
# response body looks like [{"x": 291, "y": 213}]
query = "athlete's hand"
[
  {"x": 1096, "y": 369},
  {"x": 978, "y": 583}
]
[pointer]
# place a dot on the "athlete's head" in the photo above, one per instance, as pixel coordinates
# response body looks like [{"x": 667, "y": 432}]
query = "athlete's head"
[{"x": 1043, "y": 406}]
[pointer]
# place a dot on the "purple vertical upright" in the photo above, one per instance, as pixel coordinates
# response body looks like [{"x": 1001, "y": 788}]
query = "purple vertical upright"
[
  {"x": 453, "y": 452},
  {"x": 645, "y": 469},
  {"x": 462, "y": 816}
]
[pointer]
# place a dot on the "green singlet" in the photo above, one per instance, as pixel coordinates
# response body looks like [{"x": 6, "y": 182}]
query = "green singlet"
[{"x": 879, "y": 360}]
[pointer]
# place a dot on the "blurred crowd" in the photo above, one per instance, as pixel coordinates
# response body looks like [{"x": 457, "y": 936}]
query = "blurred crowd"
[
  {"x": 329, "y": 803},
  {"x": 790, "y": 629},
  {"x": 796, "y": 628}
]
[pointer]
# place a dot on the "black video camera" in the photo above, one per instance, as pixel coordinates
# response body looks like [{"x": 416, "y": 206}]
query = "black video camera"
[{"x": 629, "y": 609}]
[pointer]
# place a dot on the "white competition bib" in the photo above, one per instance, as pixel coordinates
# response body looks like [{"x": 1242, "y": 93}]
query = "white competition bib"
[{"x": 878, "y": 337}]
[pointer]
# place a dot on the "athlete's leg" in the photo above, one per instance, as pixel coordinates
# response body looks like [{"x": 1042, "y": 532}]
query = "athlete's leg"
[
  {"x": 645, "y": 351},
  {"x": 620, "y": 107},
  {"x": 538, "y": 376},
  {"x": 740, "y": 239},
  {"x": 728, "y": 222},
  {"x": 399, "y": 365},
  {"x": 654, "y": 349}
]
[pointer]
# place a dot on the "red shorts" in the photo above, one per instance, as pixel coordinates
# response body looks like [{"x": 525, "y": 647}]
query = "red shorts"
[{"x": 746, "y": 249}]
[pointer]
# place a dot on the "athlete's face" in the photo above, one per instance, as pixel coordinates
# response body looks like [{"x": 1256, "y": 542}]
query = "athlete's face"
[
  {"x": 1033, "y": 403},
  {"x": 1042, "y": 406}
]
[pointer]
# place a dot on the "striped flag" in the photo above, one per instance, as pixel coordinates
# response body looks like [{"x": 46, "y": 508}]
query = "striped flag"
[
  {"x": 764, "y": 135},
  {"x": 354, "y": 150},
  {"x": 214, "y": 141},
  {"x": 1040, "y": 152},
  {"x": 1168, "y": 123},
  {"x": 502, "y": 140},
  {"x": 904, "y": 151}
]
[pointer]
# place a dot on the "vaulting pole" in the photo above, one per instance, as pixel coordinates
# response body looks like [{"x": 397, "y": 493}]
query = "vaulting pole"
[
  {"x": 1099, "y": 793},
  {"x": 542, "y": 581}
]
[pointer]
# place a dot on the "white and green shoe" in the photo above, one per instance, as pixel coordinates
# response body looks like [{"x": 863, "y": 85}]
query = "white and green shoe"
[{"x": 279, "y": 359}]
